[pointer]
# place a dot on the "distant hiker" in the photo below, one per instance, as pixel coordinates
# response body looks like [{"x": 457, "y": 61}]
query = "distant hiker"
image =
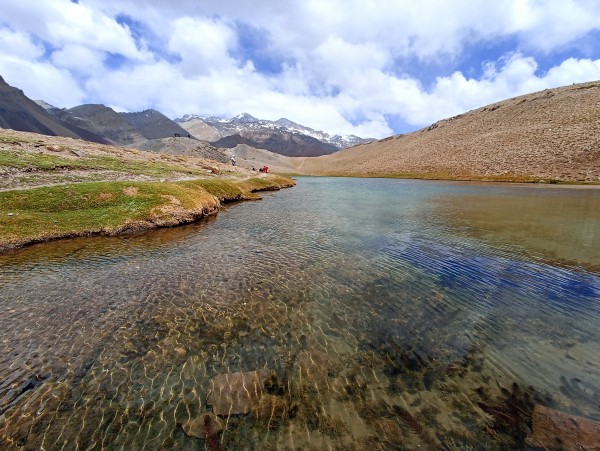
[
  {"x": 189, "y": 136},
  {"x": 260, "y": 169},
  {"x": 233, "y": 160},
  {"x": 265, "y": 169},
  {"x": 176, "y": 135}
]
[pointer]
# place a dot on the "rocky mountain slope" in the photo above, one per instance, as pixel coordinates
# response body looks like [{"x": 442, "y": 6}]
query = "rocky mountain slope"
[
  {"x": 186, "y": 146},
  {"x": 102, "y": 121},
  {"x": 201, "y": 129},
  {"x": 282, "y": 136},
  {"x": 153, "y": 124},
  {"x": 281, "y": 142},
  {"x": 247, "y": 157},
  {"x": 552, "y": 135},
  {"x": 18, "y": 112},
  {"x": 119, "y": 128}
]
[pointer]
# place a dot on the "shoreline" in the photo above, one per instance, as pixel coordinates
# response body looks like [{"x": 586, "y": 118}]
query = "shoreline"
[
  {"x": 573, "y": 184},
  {"x": 171, "y": 213},
  {"x": 474, "y": 179}
]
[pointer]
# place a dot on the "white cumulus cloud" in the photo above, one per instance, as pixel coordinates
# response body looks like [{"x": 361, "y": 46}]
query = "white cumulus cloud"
[{"x": 342, "y": 66}]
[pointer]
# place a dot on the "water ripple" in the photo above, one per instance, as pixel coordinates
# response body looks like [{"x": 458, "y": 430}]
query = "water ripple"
[{"x": 377, "y": 321}]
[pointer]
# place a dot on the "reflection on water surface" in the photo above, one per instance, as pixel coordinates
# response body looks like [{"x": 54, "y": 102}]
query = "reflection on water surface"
[{"x": 378, "y": 314}]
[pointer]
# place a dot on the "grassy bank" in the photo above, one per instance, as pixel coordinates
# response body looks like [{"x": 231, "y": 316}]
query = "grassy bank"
[
  {"x": 53, "y": 187},
  {"x": 80, "y": 209}
]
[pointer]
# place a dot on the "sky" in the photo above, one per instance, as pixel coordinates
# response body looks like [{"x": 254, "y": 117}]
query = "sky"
[{"x": 372, "y": 68}]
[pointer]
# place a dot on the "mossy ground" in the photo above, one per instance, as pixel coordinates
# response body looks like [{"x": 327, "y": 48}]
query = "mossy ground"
[
  {"x": 106, "y": 207},
  {"x": 49, "y": 162},
  {"x": 55, "y": 188}
]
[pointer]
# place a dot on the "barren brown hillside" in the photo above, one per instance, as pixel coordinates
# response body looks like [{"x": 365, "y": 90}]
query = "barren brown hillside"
[{"x": 548, "y": 135}]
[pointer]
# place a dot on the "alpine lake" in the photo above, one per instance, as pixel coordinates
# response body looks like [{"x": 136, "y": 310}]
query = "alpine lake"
[{"x": 355, "y": 314}]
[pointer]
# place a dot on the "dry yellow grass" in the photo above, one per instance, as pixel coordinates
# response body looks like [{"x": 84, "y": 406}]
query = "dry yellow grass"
[{"x": 552, "y": 135}]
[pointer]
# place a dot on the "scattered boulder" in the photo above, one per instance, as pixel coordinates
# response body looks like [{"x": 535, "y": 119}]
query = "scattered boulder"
[
  {"x": 552, "y": 429},
  {"x": 206, "y": 425},
  {"x": 235, "y": 393}
]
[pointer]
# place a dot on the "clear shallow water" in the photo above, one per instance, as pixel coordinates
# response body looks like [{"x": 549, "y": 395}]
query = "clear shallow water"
[{"x": 386, "y": 314}]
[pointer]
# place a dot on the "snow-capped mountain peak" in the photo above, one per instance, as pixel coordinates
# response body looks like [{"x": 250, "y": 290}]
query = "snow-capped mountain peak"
[
  {"x": 244, "y": 118},
  {"x": 245, "y": 122}
]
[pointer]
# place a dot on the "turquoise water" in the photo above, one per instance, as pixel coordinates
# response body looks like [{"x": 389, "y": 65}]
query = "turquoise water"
[{"x": 381, "y": 314}]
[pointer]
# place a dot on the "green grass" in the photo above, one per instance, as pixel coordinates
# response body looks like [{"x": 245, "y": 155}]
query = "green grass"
[
  {"x": 259, "y": 184},
  {"x": 222, "y": 189},
  {"x": 14, "y": 159},
  {"x": 78, "y": 209},
  {"x": 66, "y": 209},
  {"x": 89, "y": 207},
  {"x": 45, "y": 162}
]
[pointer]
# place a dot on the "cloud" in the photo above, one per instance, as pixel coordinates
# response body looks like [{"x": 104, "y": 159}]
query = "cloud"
[
  {"x": 202, "y": 45},
  {"x": 549, "y": 24},
  {"x": 22, "y": 65},
  {"x": 516, "y": 76},
  {"x": 61, "y": 22},
  {"x": 57, "y": 86},
  {"x": 79, "y": 59},
  {"x": 19, "y": 44},
  {"x": 343, "y": 66}
]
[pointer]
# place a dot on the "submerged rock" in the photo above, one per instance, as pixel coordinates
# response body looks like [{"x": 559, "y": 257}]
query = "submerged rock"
[
  {"x": 235, "y": 393},
  {"x": 558, "y": 430},
  {"x": 206, "y": 425}
]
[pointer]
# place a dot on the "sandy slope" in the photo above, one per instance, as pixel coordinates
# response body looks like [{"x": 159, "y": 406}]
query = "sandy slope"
[
  {"x": 249, "y": 157},
  {"x": 547, "y": 135}
]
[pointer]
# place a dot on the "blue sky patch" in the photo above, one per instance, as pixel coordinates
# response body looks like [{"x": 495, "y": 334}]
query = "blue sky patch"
[
  {"x": 256, "y": 45},
  {"x": 114, "y": 60},
  {"x": 144, "y": 35},
  {"x": 398, "y": 124}
]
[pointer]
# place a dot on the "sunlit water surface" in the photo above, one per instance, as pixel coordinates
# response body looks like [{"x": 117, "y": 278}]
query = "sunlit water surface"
[{"x": 384, "y": 314}]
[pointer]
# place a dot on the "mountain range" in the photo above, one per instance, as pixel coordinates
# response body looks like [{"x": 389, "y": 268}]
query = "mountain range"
[
  {"x": 99, "y": 123},
  {"x": 119, "y": 128},
  {"x": 551, "y": 135},
  {"x": 281, "y": 136}
]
